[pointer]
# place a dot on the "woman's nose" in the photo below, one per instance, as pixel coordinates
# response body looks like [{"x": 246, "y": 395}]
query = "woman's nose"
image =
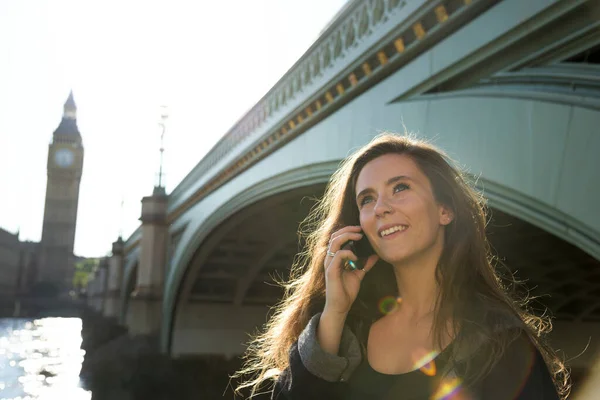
[{"x": 382, "y": 207}]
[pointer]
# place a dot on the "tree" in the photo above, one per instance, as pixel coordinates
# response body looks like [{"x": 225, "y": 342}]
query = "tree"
[{"x": 83, "y": 270}]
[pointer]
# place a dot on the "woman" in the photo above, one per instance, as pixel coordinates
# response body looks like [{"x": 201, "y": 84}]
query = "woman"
[{"x": 426, "y": 318}]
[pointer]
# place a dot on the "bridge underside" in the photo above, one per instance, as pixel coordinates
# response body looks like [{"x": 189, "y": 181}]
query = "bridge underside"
[
  {"x": 231, "y": 283},
  {"x": 526, "y": 125},
  {"x": 257, "y": 248}
]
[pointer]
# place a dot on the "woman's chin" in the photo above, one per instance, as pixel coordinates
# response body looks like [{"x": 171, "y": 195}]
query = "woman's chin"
[
  {"x": 404, "y": 258},
  {"x": 396, "y": 259}
]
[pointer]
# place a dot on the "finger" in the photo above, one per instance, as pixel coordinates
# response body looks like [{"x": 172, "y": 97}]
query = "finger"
[
  {"x": 338, "y": 261},
  {"x": 371, "y": 261},
  {"x": 336, "y": 244},
  {"x": 346, "y": 229}
]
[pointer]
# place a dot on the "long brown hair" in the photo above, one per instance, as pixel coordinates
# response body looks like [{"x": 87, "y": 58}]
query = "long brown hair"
[{"x": 485, "y": 316}]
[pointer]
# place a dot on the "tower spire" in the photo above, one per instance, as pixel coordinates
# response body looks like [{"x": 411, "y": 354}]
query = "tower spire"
[
  {"x": 67, "y": 129},
  {"x": 70, "y": 109}
]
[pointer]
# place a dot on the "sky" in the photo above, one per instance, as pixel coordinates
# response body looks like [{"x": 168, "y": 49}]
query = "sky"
[{"x": 208, "y": 62}]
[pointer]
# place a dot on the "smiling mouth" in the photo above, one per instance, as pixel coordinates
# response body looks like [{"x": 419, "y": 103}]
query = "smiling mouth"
[{"x": 393, "y": 229}]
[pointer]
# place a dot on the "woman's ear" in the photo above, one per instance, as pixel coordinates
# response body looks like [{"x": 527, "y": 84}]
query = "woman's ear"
[{"x": 446, "y": 215}]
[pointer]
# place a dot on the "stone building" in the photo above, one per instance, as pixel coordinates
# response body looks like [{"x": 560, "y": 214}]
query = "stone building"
[
  {"x": 65, "y": 166},
  {"x": 50, "y": 262},
  {"x": 9, "y": 262}
]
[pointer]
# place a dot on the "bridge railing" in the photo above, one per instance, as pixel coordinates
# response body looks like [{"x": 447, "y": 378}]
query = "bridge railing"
[
  {"x": 366, "y": 42},
  {"x": 357, "y": 27}
]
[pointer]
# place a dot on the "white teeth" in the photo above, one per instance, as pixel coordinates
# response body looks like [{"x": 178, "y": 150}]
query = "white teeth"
[{"x": 392, "y": 230}]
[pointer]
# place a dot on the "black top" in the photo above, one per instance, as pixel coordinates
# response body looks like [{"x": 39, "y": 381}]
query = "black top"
[
  {"x": 520, "y": 374},
  {"x": 366, "y": 383}
]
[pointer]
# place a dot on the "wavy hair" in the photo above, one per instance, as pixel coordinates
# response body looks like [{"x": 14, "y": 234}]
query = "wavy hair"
[{"x": 484, "y": 317}]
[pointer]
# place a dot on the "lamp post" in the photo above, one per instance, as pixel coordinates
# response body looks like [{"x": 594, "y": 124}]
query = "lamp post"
[{"x": 163, "y": 119}]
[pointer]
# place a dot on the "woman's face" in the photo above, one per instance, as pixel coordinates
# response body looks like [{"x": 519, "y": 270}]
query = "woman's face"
[{"x": 398, "y": 211}]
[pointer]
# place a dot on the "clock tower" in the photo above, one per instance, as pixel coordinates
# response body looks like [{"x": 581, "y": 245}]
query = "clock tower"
[{"x": 65, "y": 165}]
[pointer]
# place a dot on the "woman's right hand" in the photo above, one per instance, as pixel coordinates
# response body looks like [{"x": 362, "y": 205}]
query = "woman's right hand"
[{"x": 342, "y": 285}]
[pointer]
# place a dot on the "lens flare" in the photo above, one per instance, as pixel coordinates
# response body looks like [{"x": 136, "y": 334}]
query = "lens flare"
[
  {"x": 429, "y": 368},
  {"x": 449, "y": 389},
  {"x": 389, "y": 304},
  {"x": 426, "y": 363}
]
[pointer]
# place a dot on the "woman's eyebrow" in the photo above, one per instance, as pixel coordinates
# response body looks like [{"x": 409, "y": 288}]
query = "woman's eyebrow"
[
  {"x": 398, "y": 178},
  {"x": 390, "y": 181}
]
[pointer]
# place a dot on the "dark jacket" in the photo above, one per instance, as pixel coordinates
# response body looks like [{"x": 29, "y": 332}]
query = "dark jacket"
[{"x": 314, "y": 374}]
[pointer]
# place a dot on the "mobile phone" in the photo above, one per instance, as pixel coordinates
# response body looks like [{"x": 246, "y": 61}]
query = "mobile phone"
[{"x": 362, "y": 249}]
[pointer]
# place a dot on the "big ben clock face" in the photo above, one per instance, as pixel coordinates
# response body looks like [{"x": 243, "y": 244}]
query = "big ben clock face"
[{"x": 64, "y": 158}]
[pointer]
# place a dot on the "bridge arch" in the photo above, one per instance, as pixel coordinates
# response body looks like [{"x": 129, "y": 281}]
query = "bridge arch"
[
  {"x": 247, "y": 202},
  {"x": 128, "y": 284},
  {"x": 207, "y": 235},
  {"x": 533, "y": 155}
]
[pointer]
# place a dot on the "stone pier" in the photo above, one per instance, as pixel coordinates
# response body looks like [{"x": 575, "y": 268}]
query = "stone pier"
[
  {"x": 115, "y": 277},
  {"x": 146, "y": 299}
]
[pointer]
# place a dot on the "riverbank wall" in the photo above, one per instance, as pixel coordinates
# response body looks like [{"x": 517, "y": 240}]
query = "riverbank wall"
[{"x": 119, "y": 366}]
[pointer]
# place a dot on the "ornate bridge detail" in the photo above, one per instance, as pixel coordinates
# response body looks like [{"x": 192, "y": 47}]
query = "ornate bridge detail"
[
  {"x": 510, "y": 88},
  {"x": 370, "y": 40}
]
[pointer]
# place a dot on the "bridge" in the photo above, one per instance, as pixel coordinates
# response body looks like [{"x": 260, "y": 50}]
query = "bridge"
[{"x": 510, "y": 89}]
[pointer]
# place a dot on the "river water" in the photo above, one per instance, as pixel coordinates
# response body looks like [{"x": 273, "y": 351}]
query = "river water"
[{"x": 41, "y": 359}]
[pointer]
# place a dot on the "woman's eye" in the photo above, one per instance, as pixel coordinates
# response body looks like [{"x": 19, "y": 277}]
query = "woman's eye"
[
  {"x": 401, "y": 187},
  {"x": 365, "y": 200}
]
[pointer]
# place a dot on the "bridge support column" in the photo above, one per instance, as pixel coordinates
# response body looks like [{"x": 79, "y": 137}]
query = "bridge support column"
[
  {"x": 115, "y": 277},
  {"x": 146, "y": 299},
  {"x": 101, "y": 280},
  {"x": 96, "y": 289}
]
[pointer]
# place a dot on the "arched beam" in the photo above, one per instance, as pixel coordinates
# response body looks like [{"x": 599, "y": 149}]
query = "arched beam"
[
  {"x": 215, "y": 237},
  {"x": 290, "y": 180},
  {"x": 245, "y": 282},
  {"x": 501, "y": 197},
  {"x": 204, "y": 250},
  {"x": 541, "y": 215}
]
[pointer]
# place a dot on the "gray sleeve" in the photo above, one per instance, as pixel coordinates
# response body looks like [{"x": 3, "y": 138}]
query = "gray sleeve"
[{"x": 324, "y": 365}]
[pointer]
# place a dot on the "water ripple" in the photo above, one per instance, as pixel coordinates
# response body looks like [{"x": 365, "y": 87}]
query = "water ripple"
[{"x": 41, "y": 359}]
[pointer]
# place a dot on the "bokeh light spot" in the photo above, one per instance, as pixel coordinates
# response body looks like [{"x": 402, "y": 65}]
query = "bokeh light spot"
[
  {"x": 426, "y": 363},
  {"x": 388, "y": 304},
  {"x": 448, "y": 389},
  {"x": 429, "y": 368}
]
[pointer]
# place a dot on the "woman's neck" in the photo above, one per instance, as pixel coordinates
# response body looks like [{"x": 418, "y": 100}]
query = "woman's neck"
[{"x": 417, "y": 284}]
